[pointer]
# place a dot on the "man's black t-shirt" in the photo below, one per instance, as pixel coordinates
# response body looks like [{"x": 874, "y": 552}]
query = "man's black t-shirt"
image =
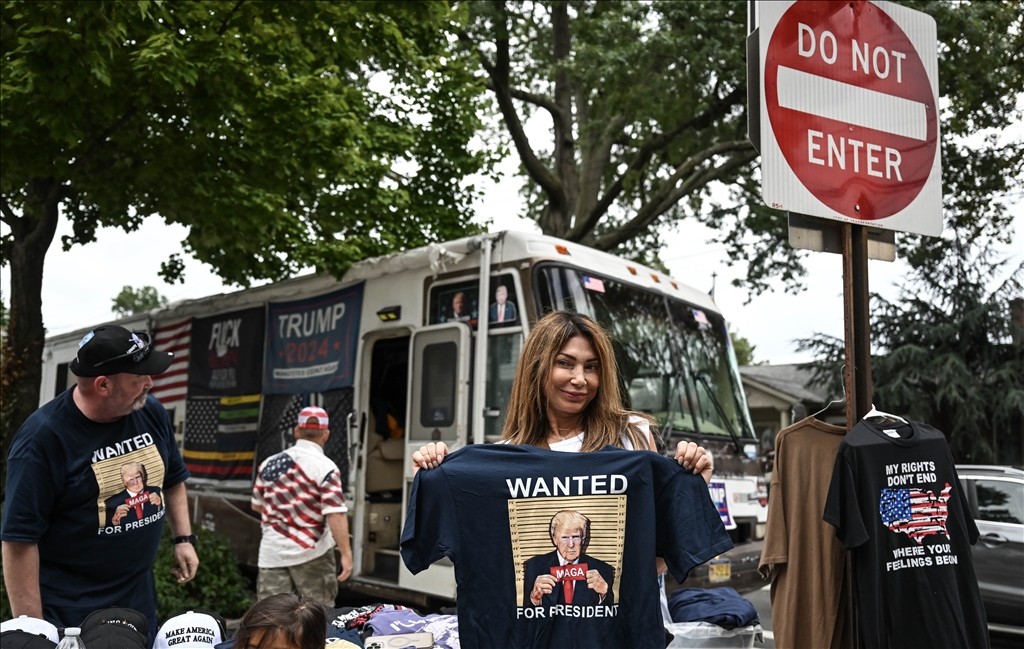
[
  {"x": 64, "y": 474},
  {"x": 897, "y": 504},
  {"x": 497, "y": 512}
]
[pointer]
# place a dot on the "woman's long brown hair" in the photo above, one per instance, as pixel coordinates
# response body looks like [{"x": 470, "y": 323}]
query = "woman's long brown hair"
[{"x": 604, "y": 421}]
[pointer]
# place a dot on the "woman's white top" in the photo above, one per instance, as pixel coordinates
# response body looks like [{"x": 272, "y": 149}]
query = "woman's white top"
[{"x": 574, "y": 444}]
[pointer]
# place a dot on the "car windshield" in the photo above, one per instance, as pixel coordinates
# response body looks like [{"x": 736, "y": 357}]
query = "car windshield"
[{"x": 675, "y": 359}]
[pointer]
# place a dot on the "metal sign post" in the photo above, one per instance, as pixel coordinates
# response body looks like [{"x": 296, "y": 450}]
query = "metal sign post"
[{"x": 856, "y": 322}]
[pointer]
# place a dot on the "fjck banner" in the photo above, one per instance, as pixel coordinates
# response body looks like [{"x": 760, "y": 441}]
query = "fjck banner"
[
  {"x": 311, "y": 343},
  {"x": 226, "y": 354}
]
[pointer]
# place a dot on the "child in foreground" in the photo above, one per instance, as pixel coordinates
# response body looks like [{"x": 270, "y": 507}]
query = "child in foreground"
[{"x": 283, "y": 621}]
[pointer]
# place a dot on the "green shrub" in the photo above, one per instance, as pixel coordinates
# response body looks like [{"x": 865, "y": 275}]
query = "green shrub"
[{"x": 219, "y": 585}]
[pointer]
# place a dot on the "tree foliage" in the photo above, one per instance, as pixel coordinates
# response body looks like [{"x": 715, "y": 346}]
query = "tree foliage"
[
  {"x": 646, "y": 101},
  {"x": 648, "y": 109},
  {"x": 283, "y": 135},
  {"x": 255, "y": 124},
  {"x": 131, "y": 301},
  {"x": 943, "y": 354},
  {"x": 744, "y": 349}
]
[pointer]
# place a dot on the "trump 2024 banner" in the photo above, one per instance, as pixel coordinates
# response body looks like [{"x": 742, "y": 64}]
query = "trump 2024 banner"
[
  {"x": 311, "y": 343},
  {"x": 227, "y": 354}
]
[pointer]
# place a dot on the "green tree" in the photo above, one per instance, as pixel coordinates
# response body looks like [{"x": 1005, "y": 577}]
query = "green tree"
[
  {"x": 943, "y": 353},
  {"x": 646, "y": 102},
  {"x": 743, "y": 348},
  {"x": 131, "y": 301},
  {"x": 282, "y": 134},
  {"x": 648, "y": 109}
]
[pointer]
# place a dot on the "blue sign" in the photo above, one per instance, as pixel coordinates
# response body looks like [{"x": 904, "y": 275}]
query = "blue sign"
[
  {"x": 718, "y": 496},
  {"x": 311, "y": 343}
]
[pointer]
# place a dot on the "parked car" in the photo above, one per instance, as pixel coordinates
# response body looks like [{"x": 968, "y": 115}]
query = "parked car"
[{"x": 996, "y": 495}]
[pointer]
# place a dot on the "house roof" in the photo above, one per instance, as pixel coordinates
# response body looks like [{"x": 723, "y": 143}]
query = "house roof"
[{"x": 792, "y": 380}]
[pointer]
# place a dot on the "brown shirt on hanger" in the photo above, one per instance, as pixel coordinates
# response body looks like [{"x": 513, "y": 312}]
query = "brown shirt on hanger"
[{"x": 806, "y": 563}]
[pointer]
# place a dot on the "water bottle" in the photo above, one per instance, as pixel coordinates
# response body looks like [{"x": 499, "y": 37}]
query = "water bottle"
[{"x": 72, "y": 639}]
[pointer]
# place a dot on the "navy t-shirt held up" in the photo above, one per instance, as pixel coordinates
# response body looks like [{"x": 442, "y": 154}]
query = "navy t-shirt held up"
[{"x": 490, "y": 509}]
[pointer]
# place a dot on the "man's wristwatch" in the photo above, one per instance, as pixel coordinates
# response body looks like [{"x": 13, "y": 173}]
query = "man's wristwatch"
[{"x": 191, "y": 538}]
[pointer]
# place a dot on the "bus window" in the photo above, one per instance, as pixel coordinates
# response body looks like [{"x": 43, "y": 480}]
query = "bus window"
[
  {"x": 719, "y": 401},
  {"x": 561, "y": 288},
  {"x": 437, "y": 408},
  {"x": 502, "y": 356},
  {"x": 460, "y": 302},
  {"x": 674, "y": 359}
]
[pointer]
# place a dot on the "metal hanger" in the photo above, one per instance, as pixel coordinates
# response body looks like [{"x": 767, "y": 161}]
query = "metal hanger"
[
  {"x": 842, "y": 382},
  {"x": 875, "y": 412}
]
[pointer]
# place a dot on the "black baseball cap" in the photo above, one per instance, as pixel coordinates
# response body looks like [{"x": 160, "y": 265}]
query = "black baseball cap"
[
  {"x": 114, "y": 350},
  {"x": 114, "y": 636},
  {"x": 18, "y": 639},
  {"x": 117, "y": 616}
]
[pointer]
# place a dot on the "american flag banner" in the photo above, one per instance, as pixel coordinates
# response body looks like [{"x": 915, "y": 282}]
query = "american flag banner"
[
  {"x": 293, "y": 502},
  {"x": 280, "y": 413},
  {"x": 220, "y": 439},
  {"x": 172, "y": 386},
  {"x": 914, "y": 512}
]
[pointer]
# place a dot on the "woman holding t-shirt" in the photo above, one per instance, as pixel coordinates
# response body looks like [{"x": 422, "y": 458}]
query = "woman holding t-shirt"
[{"x": 557, "y": 401}]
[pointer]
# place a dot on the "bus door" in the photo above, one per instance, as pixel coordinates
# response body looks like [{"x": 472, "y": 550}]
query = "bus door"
[
  {"x": 377, "y": 438},
  {"x": 439, "y": 372}
]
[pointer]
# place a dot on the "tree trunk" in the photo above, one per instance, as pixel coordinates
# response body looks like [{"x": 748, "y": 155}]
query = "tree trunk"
[
  {"x": 21, "y": 365},
  {"x": 560, "y": 210}
]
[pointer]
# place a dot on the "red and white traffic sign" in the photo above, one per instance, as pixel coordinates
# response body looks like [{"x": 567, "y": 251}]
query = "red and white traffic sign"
[{"x": 849, "y": 119}]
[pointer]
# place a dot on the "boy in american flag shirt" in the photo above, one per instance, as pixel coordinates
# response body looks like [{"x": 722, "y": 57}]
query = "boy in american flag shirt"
[{"x": 298, "y": 494}]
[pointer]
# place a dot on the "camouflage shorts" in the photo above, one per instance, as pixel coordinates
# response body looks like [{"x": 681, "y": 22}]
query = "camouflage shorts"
[{"x": 316, "y": 578}]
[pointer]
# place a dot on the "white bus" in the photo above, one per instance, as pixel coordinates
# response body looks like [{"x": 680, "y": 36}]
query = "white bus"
[{"x": 436, "y": 350}]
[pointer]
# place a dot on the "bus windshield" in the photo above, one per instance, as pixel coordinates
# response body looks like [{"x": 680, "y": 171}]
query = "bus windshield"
[{"x": 675, "y": 360}]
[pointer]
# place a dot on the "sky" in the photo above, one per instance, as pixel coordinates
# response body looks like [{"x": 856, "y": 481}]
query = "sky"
[{"x": 80, "y": 284}]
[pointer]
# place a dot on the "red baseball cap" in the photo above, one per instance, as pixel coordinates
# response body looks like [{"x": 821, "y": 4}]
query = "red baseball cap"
[{"x": 316, "y": 413}]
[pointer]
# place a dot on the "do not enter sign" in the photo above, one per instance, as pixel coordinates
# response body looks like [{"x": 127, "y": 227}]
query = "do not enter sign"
[{"x": 849, "y": 120}]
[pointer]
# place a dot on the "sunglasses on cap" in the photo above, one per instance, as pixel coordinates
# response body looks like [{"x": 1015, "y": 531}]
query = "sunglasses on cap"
[{"x": 139, "y": 351}]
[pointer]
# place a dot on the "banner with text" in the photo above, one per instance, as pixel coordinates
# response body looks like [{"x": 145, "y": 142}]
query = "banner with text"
[
  {"x": 311, "y": 343},
  {"x": 227, "y": 354}
]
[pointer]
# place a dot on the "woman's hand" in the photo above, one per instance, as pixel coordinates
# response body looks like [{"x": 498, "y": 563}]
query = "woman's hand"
[
  {"x": 695, "y": 458},
  {"x": 429, "y": 456}
]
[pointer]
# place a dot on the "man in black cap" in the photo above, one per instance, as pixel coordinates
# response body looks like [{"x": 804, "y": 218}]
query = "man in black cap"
[{"x": 64, "y": 555}]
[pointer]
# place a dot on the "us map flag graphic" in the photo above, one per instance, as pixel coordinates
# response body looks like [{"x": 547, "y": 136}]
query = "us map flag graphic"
[
  {"x": 220, "y": 438},
  {"x": 915, "y": 512}
]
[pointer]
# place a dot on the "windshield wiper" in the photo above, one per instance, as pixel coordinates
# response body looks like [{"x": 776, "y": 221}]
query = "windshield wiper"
[
  {"x": 677, "y": 393},
  {"x": 721, "y": 412}
]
